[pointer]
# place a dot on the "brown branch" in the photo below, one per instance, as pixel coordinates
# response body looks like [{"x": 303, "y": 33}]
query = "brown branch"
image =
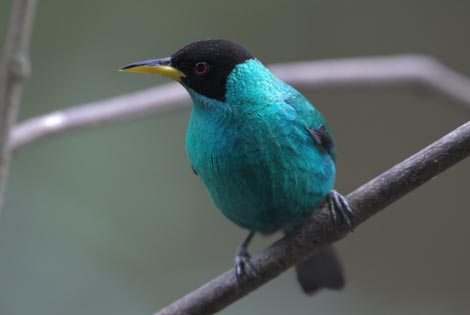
[
  {"x": 154, "y": 100},
  {"x": 14, "y": 70},
  {"x": 318, "y": 231},
  {"x": 402, "y": 71}
]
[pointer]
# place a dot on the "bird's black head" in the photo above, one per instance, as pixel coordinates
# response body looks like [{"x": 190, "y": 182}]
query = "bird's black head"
[
  {"x": 207, "y": 64},
  {"x": 202, "y": 66}
]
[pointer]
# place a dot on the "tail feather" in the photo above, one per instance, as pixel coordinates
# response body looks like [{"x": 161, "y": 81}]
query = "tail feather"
[{"x": 321, "y": 270}]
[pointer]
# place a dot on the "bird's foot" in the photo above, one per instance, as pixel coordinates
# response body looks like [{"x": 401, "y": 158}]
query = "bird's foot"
[
  {"x": 340, "y": 209},
  {"x": 243, "y": 265}
]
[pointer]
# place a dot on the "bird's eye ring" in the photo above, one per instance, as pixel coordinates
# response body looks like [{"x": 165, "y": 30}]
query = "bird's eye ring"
[{"x": 201, "y": 68}]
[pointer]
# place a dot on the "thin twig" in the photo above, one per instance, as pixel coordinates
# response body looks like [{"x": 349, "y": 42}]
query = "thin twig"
[
  {"x": 318, "y": 231},
  {"x": 14, "y": 70},
  {"x": 401, "y": 71},
  {"x": 163, "y": 98}
]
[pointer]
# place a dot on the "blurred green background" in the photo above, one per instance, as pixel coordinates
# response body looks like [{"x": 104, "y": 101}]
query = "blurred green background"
[{"x": 111, "y": 220}]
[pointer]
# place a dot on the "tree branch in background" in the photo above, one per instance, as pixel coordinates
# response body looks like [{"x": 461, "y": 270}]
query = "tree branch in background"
[
  {"x": 319, "y": 231},
  {"x": 401, "y": 71},
  {"x": 14, "y": 70}
]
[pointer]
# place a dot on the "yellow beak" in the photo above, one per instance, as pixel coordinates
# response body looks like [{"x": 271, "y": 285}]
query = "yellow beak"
[{"x": 155, "y": 66}]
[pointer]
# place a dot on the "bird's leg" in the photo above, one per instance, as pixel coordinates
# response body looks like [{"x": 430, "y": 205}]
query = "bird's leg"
[
  {"x": 339, "y": 208},
  {"x": 242, "y": 258}
]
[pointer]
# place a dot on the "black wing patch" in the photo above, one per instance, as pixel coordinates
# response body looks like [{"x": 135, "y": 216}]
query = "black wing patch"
[
  {"x": 322, "y": 137},
  {"x": 194, "y": 171}
]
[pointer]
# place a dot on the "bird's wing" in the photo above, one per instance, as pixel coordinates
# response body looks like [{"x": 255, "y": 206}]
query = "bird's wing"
[{"x": 315, "y": 124}]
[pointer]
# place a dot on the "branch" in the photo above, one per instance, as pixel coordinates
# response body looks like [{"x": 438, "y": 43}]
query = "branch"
[
  {"x": 402, "y": 71},
  {"x": 154, "y": 100},
  {"x": 14, "y": 70},
  {"x": 319, "y": 231}
]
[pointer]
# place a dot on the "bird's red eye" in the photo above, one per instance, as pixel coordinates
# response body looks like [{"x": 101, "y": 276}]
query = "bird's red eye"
[{"x": 201, "y": 68}]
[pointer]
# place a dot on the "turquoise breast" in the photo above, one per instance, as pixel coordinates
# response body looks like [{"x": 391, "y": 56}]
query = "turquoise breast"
[{"x": 254, "y": 154}]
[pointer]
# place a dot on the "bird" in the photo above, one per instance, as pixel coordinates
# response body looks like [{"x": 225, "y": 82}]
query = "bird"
[{"x": 265, "y": 154}]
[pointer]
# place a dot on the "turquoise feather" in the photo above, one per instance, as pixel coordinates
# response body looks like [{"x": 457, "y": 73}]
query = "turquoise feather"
[{"x": 253, "y": 152}]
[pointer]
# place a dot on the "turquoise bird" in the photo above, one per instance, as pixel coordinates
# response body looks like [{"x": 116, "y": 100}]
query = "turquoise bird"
[{"x": 264, "y": 153}]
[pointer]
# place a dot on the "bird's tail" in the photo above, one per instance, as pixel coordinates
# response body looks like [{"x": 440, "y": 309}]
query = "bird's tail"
[{"x": 321, "y": 270}]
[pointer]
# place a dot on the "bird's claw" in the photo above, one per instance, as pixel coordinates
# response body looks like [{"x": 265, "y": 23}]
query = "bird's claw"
[
  {"x": 340, "y": 209},
  {"x": 243, "y": 266}
]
